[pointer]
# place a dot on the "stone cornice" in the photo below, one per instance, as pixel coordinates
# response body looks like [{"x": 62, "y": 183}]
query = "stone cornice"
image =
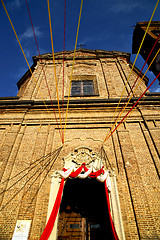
[{"x": 77, "y": 103}]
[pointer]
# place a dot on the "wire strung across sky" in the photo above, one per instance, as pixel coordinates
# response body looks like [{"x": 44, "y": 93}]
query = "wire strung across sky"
[
  {"x": 134, "y": 105},
  {"x": 63, "y": 60},
  {"x": 133, "y": 67},
  {"x": 61, "y": 133},
  {"x": 73, "y": 67},
  {"x": 55, "y": 69},
  {"x": 26, "y": 59},
  {"x": 54, "y": 155},
  {"x": 117, "y": 118},
  {"x": 43, "y": 67},
  {"x": 124, "y": 107},
  {"x": 49, "y": 155}
]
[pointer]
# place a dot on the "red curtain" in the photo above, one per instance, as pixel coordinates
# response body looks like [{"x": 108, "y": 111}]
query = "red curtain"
[
  {"x": 115, "y": 236},
  {"x": 48, "y": 229}
]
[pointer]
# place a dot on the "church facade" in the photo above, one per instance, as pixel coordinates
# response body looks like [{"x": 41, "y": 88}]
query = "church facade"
[{"x": 37, "y": 141}]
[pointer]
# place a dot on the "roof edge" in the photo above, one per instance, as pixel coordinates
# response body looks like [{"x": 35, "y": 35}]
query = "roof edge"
[{"x": 97, "y": 52}]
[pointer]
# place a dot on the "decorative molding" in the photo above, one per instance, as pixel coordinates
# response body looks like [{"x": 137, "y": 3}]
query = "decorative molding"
[
  {"x": 82, "y": 63},
  {"x": 83, "y": 155}
]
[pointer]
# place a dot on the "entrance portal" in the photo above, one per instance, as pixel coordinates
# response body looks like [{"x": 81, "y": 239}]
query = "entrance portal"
[{"x": 83, "y": 211}]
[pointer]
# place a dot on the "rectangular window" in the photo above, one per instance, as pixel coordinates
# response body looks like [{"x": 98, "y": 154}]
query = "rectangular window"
[{"x": 82, "y": 88}]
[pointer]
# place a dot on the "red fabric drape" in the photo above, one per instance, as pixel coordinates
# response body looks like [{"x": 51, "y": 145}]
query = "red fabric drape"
[
  {"x": 94, "y": 174},
  {"x": 79, "y": 170},
  {"x": 48, "y": 229},
  {"x": 115, "y": 236}
]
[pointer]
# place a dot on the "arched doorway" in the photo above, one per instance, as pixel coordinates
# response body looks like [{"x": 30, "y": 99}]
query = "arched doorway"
[{"x": 83, "y": 212}]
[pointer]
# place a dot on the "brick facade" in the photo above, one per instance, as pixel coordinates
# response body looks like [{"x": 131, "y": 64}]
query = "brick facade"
[{"x": 28, "y": 131}]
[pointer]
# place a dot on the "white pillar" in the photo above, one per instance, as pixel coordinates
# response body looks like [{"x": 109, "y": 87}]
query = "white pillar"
[
  {"x": 115, "y": 209},
  {"x": 55, "y": 183}
]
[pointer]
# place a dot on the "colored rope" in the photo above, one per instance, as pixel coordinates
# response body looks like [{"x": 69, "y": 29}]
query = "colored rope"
[
  {"x": 36, "y": 162},
  {"x": 135, "y": 104},
  {"x": 52, "y": 161},
  {"x": 132, "y": 94},
  {"x": 73, "y": 67},
  {"x": 24, "y": 55},
  {"x": 143, "y": 68},
  {"x": 145, "y": 62},
  {"x": 63, "y": 60},
  {"x": 119, "y": 115},
  {"x": 42, "y": 67},
  {"x": 21, "y": 48},
  {"x": 55, "y": 69},
  {"x": 25, "y": 184},
  {"x": 136, "y": 81},
  {"x": 135, "y": 59},
  {"x": 134, "y": 108}
]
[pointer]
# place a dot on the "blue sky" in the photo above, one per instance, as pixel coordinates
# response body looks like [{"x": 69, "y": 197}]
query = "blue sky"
[{"x": 105, "y": 25}]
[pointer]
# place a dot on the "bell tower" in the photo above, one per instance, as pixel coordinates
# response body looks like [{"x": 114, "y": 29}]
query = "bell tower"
[{"x": 151, "y": 37}]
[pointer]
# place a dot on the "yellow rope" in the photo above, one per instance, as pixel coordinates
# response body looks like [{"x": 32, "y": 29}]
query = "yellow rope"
[
  {"x": 23, "y": 53},
  {"x": 73, "y": 67},
  {"x": 134, "y": 63},
  {"x": 132, "y": 95},
  {"x": 55, "y": 69}
]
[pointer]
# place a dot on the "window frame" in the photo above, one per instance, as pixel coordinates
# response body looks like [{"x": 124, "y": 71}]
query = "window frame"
[
  {"x": 83, "y": 88},
  {"x": 84, "y": 78}
]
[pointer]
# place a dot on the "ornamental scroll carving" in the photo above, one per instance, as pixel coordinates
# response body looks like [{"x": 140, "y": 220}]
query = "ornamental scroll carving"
[{"x": 83, "y": 155}]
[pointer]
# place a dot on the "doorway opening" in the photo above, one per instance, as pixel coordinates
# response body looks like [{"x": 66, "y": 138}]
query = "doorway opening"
[{"x": 83, "y": 212}]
